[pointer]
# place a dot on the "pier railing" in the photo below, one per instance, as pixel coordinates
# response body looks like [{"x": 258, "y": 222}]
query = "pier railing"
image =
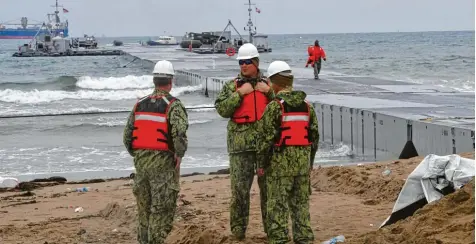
[{"x": 210, "y": 86}]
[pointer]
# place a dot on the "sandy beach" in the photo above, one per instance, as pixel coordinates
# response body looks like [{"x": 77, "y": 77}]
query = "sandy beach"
[{"x": 352, "y": 201}]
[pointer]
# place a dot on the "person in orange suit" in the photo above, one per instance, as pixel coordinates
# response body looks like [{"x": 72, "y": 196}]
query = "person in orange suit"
[{"x": 316, "y": 54}]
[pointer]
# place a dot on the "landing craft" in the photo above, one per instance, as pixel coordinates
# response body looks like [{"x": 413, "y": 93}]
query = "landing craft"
[{"x": 222, "y": 42}]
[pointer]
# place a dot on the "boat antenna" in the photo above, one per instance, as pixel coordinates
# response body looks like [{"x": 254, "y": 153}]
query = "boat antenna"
[
  {"x": 57, "y": 19},
  {"x": 250, "y": 23}
]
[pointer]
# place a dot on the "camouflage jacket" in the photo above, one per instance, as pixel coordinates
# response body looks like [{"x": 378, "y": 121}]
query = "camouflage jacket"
[
  {"x": 240, "y": 137},
  {"x": 178, "y": 122},
  {"x": 291, "y": 161}
]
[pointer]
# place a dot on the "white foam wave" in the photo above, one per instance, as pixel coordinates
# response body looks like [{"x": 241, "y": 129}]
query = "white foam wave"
[
  {"x": 115, "y": 83},
  {"x": 338, "y": 150},
  {"x": 122, "y": 122},
  {"x": 46, "y": 96},
  {"x": 201, "y": 107},
  {"x": 460, "y": 85},
  {"x": 34, "y": 111}
]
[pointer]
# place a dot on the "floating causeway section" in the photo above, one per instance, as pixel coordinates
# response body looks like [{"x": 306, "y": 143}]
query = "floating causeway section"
[
  {"x": 86, "y": 52},
  {"x": 373, "y": 116}
]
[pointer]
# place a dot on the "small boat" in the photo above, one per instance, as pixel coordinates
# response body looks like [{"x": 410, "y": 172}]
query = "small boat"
[
  {"x": 162, "y": 41},
  {"x": 117, "y": 43},
  {"x": 261, "y": 43}
]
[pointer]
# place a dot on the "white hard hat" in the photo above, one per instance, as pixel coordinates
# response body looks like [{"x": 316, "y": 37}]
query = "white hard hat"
[
  {"x": 163, "y": 68},
  {"x": 278, "y": 67},
  {"x": 247, "y": 51}
]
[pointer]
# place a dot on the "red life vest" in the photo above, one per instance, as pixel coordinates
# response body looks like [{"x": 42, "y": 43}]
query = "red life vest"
[
  {"x": 294, "y": 130},
  {"x": 151, "y": 127},
  {"x": 318, "y": 53},
  {"x": 252, "y": 107},
  {"x": 310, "y": 50}
]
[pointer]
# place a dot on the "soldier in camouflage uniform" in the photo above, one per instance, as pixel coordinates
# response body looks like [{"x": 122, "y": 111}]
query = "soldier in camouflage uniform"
[
  {"x": 248, "y": 92},
  {"x": 155, "y": 135},
  {"x": 287, "y": 144}
]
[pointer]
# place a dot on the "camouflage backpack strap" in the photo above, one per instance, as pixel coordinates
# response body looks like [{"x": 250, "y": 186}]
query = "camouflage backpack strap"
[
  {"x": 263, "y": 79},
  {"x": 169, "y": 99},
  {"x": 309, "y": 134},
  {"x": 277, "y": 144}
]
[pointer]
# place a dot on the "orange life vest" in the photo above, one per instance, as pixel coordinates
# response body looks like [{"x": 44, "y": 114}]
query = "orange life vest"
[
  {"x": 310, "y": 50},
  {"x": 294, "y": 129},
  {"x": 151, "y": 127},
  {"x": 318, "y": 53},
  {"x": 252, "y": 107}
]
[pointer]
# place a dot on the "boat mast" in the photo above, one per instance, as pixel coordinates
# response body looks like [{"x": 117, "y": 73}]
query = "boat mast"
[
  {"x": 250, "y": 23},
  {"x": 57, "y": 19}
]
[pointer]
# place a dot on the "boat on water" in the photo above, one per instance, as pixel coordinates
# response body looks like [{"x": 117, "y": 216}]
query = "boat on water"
[
  {"x": 207, "y": 38},
  {"x": 221, "y": 41},
  {"x": 89, "y": 42},
  {"x": 163, "y": 41},
  {"x": 26, "y": 30},
  {"x": 261, "y": 43},
  {"x": 117, "y": 43}
]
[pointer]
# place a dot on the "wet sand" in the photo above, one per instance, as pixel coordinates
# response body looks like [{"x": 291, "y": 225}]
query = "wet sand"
[{"x": 352, "y": 201}]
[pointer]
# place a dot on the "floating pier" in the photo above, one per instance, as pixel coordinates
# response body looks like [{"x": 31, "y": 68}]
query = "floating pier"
[
  {"x": 86, "y": 52},
  {"x": 373, "y": 116}
]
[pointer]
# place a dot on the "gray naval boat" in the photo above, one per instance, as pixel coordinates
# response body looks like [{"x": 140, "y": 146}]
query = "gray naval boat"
[{"x": 222, "y": 41}]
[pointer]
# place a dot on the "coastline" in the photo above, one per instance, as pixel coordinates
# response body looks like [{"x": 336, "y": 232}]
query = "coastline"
[
  {"x": 348, "y": 200},
  {"x": 118, "y": 174}
]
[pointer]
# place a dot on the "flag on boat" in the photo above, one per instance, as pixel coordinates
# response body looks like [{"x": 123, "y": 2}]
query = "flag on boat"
[
  {"x": 258, "y": 10},
  {"x": 65, "y": 10}
]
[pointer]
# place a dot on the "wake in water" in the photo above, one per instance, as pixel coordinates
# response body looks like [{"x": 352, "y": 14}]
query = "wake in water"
[
  {"x": 85, "y": 158},
  {"x": 119, "y": 122},
  {"x": 115, "y": 83},
  {"x": 37, "y": 96},
  {"x": 111, "y": 88}
]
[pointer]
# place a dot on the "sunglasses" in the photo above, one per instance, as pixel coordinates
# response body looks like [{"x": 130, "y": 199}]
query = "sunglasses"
[{"x": 245, "y": 61}]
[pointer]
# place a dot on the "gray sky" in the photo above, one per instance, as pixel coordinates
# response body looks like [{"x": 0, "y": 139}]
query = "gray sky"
[{"x": 153, "y": 17}]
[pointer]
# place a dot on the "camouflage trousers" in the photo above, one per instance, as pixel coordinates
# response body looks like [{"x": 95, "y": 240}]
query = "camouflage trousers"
[
  {"x": 288, "y": 195},
  {"x": 156, "y": 193},
  {"x": 317, "y": 68},
  {"x": 242, "y": 172}
]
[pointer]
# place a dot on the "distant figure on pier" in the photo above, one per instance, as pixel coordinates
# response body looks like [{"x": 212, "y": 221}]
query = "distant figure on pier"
[{"x": 316, "y": 53}]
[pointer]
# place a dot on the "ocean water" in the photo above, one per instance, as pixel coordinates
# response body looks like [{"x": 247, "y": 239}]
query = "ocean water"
[{"x": 91, "y": 145}]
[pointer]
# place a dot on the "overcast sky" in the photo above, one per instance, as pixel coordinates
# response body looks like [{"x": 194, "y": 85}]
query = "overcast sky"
[{"x": 154, "y": 17}]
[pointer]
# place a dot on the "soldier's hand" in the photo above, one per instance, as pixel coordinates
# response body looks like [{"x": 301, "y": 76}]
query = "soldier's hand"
[
  {"x": 262, "y": 87},
  {"x": 260, "y": 171},
  {"x": 178, "y": 161},
  {"x": 245, "y": 89}
]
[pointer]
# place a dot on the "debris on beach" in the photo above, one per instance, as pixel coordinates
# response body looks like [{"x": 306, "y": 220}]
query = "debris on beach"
[{"x": 449, "y": 220}]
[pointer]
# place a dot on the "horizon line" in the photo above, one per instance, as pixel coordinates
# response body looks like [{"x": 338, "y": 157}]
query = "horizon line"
[{"x": 323, "y": 33}]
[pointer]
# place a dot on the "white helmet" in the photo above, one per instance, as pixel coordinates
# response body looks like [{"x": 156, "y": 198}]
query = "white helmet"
[
  {"x": 247, "y": 51},
  {"x": 163, "y": 68},
  {"x": 278, "y": 67}
]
